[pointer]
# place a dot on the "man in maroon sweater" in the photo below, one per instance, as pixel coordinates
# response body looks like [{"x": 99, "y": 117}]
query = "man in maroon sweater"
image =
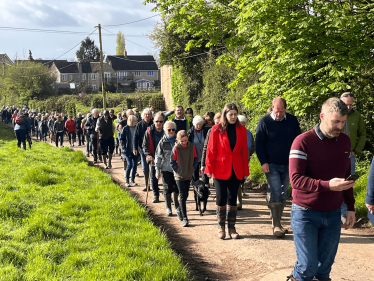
[{"x": 319, "y": 164}]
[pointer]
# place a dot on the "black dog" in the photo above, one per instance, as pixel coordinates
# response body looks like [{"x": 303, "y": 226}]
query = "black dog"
[{"x": 201, "y": 193}]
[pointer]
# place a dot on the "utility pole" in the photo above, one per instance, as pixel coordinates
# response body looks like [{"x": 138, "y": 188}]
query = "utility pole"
[{"x": 102, "y": 68}]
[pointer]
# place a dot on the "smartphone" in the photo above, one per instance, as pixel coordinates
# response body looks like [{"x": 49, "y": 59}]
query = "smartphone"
[{"x": 352, "y": 178}]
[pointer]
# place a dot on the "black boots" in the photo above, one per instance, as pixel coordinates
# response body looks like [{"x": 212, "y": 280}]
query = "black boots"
[
  {"x": 168, "y": 204},
  {"x": 147, "y": 183},
  {"x": 110, "y": 161}
]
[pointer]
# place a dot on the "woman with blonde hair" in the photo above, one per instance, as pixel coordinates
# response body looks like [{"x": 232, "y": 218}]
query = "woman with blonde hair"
[{"x": 183, "y": 162}]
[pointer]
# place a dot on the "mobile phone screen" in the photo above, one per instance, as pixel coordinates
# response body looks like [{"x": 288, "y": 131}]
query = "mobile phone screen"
[{"x": 352, "y": 178}]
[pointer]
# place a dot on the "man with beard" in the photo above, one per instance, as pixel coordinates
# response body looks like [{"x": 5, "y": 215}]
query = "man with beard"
[{"x": 319, "y": 165}]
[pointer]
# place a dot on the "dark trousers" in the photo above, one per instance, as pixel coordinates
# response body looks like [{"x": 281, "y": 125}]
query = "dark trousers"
[
  {"x": 94, "y": 147},
  {"x": 169, "y": 182},
  {"x": 196, "y": 175},
  {"x": 21, "y": 137},
  {"x": 71, "y": 136},
  {"x": 88, "y": 144},
  {"x": 105, "y": 144},
  {"x": 61, "y": 136},
  {"x": 227, "y": 190},
  {"x": 80, "y": 137},
  {"x": 184, "y": 188}
]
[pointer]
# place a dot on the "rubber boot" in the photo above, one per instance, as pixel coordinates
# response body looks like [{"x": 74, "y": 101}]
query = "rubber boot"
[
  {"x": 285, "y": 230},
  {"x": 221, "y": 218},
  {"x": 276, "y": 209},
  {"x": 231, "y": 220},
  {"x": 104, "y": 160},
  {"x": 167, "y": 198},
  {"x": 110, "y": 161},
  {"x": 268, "y": 194}
]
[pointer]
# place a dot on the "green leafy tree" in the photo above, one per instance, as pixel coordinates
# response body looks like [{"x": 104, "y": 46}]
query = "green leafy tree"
[
  {"x": 121, "y": 44},
  {"x": 25, "y": 81},
  {"x": 88, "y": 51}
]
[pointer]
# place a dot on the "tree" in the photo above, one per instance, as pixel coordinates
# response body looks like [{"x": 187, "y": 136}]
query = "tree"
[
  {"x": 27, "y": 80},
  {"x": 88, "y": 51},
  {"x": 30, "y": 56},
  {"x": 121, "y": 44}
]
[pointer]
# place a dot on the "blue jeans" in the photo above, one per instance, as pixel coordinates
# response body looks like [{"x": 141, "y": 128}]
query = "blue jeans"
[
  {"x": 316, "y": 239},
  {"x": 353, "y": 170},
  {"x": 131, "y": 166},
  {"x": 278, "y": 180},
  {"x": 154, "y": 180}
]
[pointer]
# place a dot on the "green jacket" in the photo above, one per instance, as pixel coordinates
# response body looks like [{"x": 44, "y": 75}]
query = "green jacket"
[
  {"x": 355, "y": 129},
  {"x": 188, "y": 118}
]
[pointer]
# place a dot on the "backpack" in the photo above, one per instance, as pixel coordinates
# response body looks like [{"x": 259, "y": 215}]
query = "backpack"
[{"x": 20, "y": 119}]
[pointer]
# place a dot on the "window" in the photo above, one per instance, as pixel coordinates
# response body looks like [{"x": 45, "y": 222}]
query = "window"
[
  {"x": 93, "y": 76},
  {"x": 71, "y": 77},
  {"x": 125, "y": 73},
  {"x": 150, "y": 73},
  {"x": 84, "y": 76},
  {"x": 64, "y": 77},
  {"x": 137, "y": 73},
  {"x": 94, "y": 87},
  {"x": 138, "y": 85}
]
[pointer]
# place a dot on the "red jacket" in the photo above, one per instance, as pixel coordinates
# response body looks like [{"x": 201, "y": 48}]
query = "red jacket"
[
  {"x": 220, "y": 159},
  {"x": 70, "y": 126}
]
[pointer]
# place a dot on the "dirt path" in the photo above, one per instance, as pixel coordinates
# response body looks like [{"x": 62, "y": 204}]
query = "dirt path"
[{"x": 258, "y": 255}]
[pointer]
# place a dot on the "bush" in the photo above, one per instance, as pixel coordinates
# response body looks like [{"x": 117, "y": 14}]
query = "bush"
[{"x": 256, "y": 175}]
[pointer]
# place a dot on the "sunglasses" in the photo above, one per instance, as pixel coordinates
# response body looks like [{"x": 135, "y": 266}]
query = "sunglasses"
[
  {"x": 348, "y": 95},
  {"x": 159, "y": 121},
  {"x": 171, "y": 130}
]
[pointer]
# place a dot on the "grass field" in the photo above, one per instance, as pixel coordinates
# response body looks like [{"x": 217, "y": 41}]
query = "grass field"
[{"x": 63, "y": 220}]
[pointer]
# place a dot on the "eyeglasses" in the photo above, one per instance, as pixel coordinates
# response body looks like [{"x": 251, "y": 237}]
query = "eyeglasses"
[
  {"x": 159, "y": 121},
  {"x": 348, "y": 95},
  {"x": 171, "y": 130}
]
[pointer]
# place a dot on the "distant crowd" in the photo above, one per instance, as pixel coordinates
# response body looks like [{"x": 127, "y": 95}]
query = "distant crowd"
[{"x": 186, "y": 150}]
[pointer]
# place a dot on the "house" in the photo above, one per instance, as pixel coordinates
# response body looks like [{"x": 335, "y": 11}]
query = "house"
[
  {"x": 84, "y": 74},
  {"x": 4, "y": 61},
  {"x": 143, "y": 70}
]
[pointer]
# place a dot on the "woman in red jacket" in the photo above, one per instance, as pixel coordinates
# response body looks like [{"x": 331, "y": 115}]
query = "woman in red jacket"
[
  {"x": 227, "y": 162},
  {"x": 71, "y": 129}
]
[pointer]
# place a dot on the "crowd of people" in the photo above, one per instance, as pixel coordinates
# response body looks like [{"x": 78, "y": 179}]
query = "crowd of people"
[{"x": 183, "y": 149}]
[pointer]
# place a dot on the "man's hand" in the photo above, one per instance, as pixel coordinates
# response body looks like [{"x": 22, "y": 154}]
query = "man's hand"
[
  {"x": 370, "y": 208},
  {"x": 337, "y": 184},
  {"x": 135, "y": 152},
  {"x": 158, "y": 176},
  {"x": 265, "y": 168},
  {"x": 202, "y": 169},
  {"x": 149, "y": 158},
  {"x": 353, "y": 153},
  {"x": 351, "y": 219}
]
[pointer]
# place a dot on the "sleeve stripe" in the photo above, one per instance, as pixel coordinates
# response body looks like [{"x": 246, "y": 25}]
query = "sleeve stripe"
[
  {"x": 298, "y": 156},
  {"x": 298, "y": 152}
]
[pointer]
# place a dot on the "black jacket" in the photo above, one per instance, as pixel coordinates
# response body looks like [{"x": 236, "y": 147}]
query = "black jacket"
[
  {"x": 90, "y": 126},
  {"x": 106, "y": 128}
]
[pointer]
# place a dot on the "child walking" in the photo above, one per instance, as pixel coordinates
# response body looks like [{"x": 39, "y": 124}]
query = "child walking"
[{"x": 183, "y": 162}]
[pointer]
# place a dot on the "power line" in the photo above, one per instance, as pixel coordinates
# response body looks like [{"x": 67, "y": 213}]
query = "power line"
[
  {"x": 110, "y": 25},
  {"x": 66, "y": 32}
]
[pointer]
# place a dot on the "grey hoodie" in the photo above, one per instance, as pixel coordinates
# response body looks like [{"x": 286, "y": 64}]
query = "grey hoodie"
[{"x": 162, "y": 156}]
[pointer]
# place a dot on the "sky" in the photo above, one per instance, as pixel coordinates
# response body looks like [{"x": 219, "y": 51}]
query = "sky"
[{"x": 73, "y": 16}]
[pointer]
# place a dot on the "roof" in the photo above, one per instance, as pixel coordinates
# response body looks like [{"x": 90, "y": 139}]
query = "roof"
[
  {"x": 86, "y": 67},
  {"x": 5, "y": 58},
  {"x": 132, "y": 62},
  {"x": 45, "y": 62},
  {"x": 66, "y": 67}
]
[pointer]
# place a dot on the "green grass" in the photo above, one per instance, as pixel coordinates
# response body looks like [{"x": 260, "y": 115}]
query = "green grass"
[{"x": 63, "y": 220}]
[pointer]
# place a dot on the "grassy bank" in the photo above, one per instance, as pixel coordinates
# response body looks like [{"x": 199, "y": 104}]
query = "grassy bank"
[{"x": 63, "y": 220}]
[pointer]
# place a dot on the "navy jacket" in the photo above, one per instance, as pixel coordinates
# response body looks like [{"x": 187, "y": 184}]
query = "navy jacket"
[
  {"x": 140, "y": 129},
  {"x": 125, "y": 138}
]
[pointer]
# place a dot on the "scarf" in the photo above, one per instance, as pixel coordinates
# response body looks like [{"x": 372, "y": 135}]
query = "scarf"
[{"x": 171, "y": 140}]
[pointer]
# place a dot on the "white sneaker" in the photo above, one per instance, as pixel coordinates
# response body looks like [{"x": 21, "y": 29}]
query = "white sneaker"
[{"x": 132, "y": 183}]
